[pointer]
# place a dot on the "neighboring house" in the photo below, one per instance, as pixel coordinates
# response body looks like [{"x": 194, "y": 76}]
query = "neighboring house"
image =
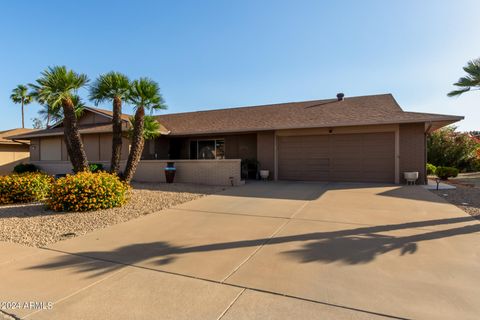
[
  {"x": 362, "y": 139},
  {"x": 13, "y": 152}
]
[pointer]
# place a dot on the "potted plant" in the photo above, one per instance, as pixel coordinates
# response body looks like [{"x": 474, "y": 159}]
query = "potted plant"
[{"x": 170, "y": 172}]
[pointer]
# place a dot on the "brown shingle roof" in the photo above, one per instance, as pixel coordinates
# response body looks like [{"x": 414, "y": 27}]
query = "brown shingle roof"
[
  {"x": 363, "y": 110},
  {"x": 4, "y": 136}
]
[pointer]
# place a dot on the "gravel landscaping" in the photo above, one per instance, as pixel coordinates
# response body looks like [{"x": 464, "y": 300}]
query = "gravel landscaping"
[
  {"x": 31, "y": 224},
  {"x": 467, "y": 194}
]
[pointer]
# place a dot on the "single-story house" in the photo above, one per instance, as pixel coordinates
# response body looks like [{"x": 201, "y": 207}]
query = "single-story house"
[
  {"x": 13, "y": 152},
  {"x": 359, "y": 139}
]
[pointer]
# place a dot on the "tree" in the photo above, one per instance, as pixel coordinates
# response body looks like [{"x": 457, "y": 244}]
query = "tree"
[
  {"x": 115, "y": 87},
  {"x": 145, "y": 94},
  {"x": 57, "y": 86},
  {"x": 151, "y": 128},
  {"x": 20, "y": 95},
  {"x": 471, "y": 81},
  {"x": 450, "y": 148},
  {"x": 55, "y": 114},
  {"x": 37, "y": 123}
]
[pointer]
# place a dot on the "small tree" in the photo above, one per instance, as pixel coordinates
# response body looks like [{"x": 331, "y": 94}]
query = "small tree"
[{"x": 20, "y": 95}]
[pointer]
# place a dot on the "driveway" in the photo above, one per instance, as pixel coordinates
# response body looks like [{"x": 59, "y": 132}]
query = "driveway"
[{"x": 263, "y": 251}]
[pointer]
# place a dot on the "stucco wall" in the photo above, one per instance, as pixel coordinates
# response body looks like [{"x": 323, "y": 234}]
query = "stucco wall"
[
  {"x": 412, "y": 150},
  {"x": 210, "y": 172},
  {"x": 98, "y": 147},
  {"x": 11, "y": 155},
  {"x": 266, "y": 151}
]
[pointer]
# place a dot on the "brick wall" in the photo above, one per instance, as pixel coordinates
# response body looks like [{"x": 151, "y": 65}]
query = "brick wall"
[{"x": 412, "y": 150}]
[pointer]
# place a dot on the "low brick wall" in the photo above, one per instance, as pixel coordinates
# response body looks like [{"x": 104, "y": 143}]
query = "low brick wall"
[{"x": 210, "y": 172}]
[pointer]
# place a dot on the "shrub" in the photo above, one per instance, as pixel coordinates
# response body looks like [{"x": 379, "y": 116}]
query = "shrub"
[
  {"x": 86, "y": 191},
  {"x": 25, "y": 167},
  {"x": 446, "y": 172},
  {"x": 24, "y": 187},
  {"x": 431, "y": 169},
  {"x": 95, "y": 167},
  {"x": 450, "y": 148}
]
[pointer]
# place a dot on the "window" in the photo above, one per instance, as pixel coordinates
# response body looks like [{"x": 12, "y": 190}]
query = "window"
[{"x": 207, "y": 149}]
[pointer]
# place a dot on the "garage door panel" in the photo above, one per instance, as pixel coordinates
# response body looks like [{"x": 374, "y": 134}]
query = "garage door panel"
[{"x": 347, "y": 157}]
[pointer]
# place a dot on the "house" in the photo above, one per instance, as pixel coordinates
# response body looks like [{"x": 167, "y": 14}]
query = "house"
[
  {"x": 360, "y": 139},
  {"x": 12, "y": 152}
]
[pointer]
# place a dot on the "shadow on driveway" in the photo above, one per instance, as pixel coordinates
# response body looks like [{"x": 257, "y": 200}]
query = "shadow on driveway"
[{"x": 349, "y": 246}]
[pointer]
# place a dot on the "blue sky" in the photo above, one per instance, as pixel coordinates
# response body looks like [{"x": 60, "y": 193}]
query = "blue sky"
[{"x": 216, "y": 54}]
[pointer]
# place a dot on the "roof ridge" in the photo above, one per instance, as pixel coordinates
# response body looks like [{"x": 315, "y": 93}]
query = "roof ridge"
[{"x": 277, "y": 104}]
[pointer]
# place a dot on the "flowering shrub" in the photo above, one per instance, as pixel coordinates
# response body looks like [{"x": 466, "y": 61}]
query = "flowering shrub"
[
  {"x": 24, "y": 187},
  {"x": 86, "y": 191}
]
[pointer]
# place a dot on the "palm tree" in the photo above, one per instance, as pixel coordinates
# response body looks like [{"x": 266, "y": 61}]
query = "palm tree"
[
  {"x": 112, "y": 86},
  {"x": 151, "y": 127},
  {"x": 51, "y": 114},
  {"x": 471, "y": 81},
  {"x": 57, "y": 86},
  {"x": 20, "y": 95},
  {"x": 145, "y": 94}
]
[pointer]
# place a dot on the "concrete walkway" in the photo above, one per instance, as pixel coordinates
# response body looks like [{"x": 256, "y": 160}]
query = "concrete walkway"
[{"x": 263, "y": 251}]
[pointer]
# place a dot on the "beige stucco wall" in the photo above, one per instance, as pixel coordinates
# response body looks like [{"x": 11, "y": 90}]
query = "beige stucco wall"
[
  {"x": 209, "y": 172},
  {"x": 413, "y": 150},
  {"x": 98, "y": 147},
  {"x": 11, "y": 155}
]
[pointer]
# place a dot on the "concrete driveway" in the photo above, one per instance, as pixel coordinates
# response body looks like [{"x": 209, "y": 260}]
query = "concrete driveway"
[{"x": 263, "y": 251}]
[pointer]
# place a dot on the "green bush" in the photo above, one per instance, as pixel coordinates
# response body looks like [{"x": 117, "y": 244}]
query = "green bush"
[
  {"x": 431, "y": 169},
  {"x": 24, "y": 187},
  {"x": 446, "y": 172},
  {"x": 95, "y": 167},
  {"x": 25, "y": 167},
  {"x": 86, "y": 191}
]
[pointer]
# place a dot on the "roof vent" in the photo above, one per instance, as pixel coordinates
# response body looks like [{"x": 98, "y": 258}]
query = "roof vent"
[{"x": 340, "y": 96}]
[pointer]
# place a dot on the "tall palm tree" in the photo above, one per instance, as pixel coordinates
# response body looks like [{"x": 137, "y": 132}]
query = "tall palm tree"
[
  {"x": 145, "y": 94},
  {"x": 151, "y": 127},
  {"x": 57, "y": 86},
  {"x": 20, "y": 95},
  {"x": 52, "y": 114},
  {"x": 471, "y": 81},
  {"x": 115, "y": 87}
]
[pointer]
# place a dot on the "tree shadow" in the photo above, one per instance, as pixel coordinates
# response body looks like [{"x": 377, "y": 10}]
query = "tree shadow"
[{"x": 350, "y": 246}]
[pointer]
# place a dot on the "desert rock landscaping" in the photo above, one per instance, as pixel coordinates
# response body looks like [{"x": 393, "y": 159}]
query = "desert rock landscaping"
[{"x": 33, "y": 225}]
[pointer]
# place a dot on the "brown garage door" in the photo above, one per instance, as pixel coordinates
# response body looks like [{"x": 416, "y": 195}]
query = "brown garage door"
[{"x": 365, "y": 157}]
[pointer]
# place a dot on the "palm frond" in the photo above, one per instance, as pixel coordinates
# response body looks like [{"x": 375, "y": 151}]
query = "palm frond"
[
  {"x": 109, "y": 86},
  {"x": 469, "y": 82},
  {"x": 151, "y": 127}
]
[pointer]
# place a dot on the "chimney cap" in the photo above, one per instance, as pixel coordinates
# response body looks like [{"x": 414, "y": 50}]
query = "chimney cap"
[{"x": 340, "y": 96}]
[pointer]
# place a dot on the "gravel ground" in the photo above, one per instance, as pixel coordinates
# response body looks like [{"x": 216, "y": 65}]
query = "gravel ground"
[
  {"x": 465, "y": 197},
  {"x": 31, "y": 224}
]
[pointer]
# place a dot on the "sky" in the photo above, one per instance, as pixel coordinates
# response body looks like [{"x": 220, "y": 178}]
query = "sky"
[{"x": 219, "y": 54}]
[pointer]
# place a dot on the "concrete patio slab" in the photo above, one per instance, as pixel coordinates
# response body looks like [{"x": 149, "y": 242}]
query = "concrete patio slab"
[
  {"x": 144, "y": 294},
  {"x": 38, "y": 278},
  {"x": 199, "y": 244},
  {"x": 396, "y": 271},
  {"x": 254, "y": 305}
]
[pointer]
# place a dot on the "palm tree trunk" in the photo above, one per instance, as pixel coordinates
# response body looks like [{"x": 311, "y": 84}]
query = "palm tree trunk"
[
  {"x": 73, "y": 139},
  {"x": 48, "y": 118},
  {"x": 23, "y": 120},
  {"x": 137, "y": 145},
  {"x": 117, "y": 135}
]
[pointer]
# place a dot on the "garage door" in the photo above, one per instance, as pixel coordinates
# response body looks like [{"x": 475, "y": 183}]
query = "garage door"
[{"x": 366, "y": 157}]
